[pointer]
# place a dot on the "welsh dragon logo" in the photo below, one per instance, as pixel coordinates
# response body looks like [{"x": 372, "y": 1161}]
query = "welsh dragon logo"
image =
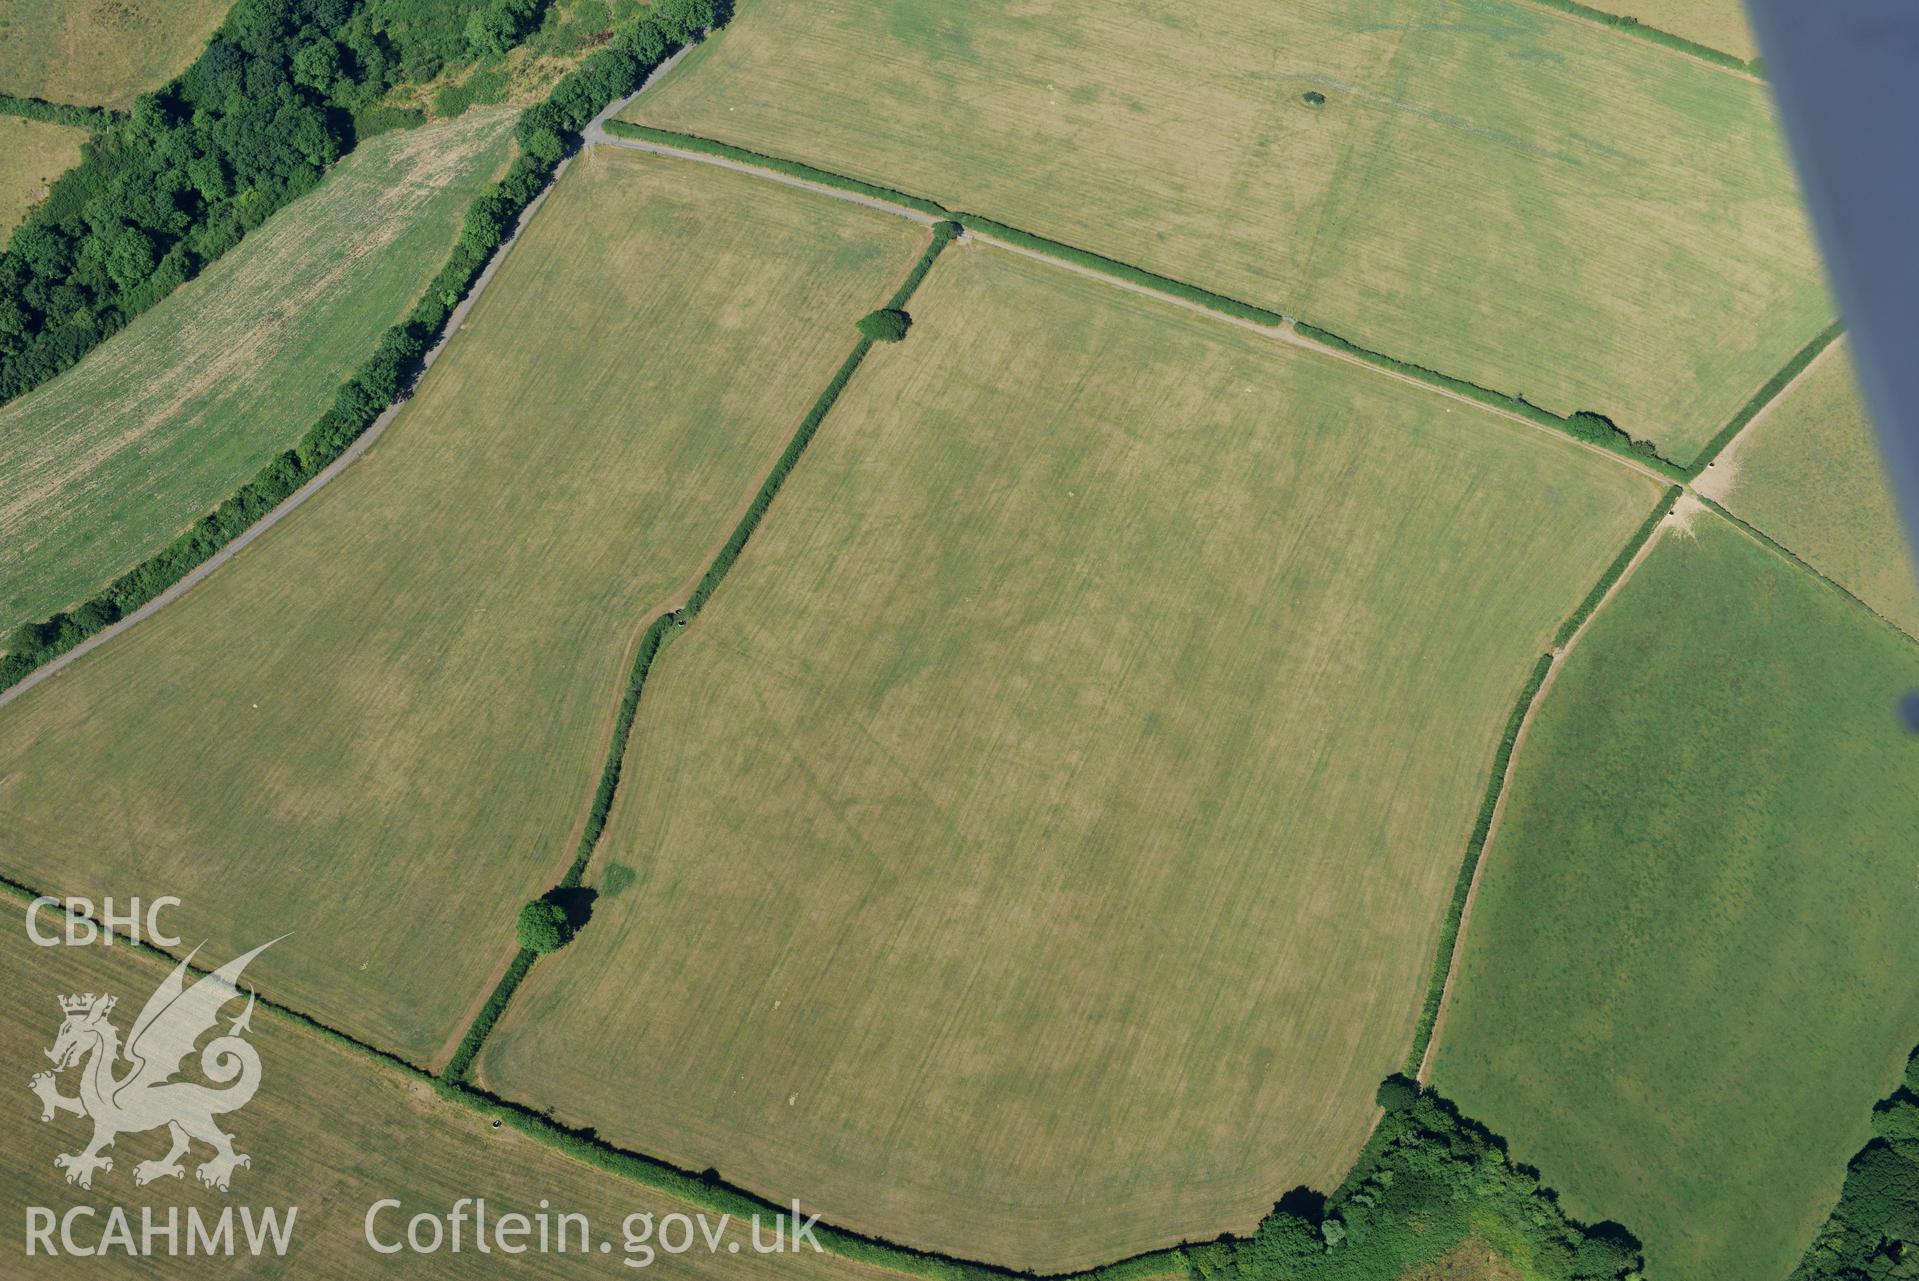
[{"x": 145, "y": 1095}]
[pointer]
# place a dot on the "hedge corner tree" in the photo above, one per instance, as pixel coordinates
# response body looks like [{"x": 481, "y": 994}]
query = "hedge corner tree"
[
  {"x": 1398, "y": 1093},
  {"x": 543, "y": 927},
  {"x": 888, "y": 324}
]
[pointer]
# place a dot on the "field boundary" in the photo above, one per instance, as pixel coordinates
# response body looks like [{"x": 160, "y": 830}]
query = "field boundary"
[
  {"x": 92, "y": 119},
  {"x": 1751, "y": 67},
  {"x": 1778, "y": 548},
  {"x": 1466, "y": 884},
  {"x": 701, "y": 1190},
  {"x": 656, "y": 636},
  {"x": 1588, "y": 428},
  {"x": 1770, "y": 391},
  {"x": 548, "y": 132},
  {"x": 240, "y": 541}
]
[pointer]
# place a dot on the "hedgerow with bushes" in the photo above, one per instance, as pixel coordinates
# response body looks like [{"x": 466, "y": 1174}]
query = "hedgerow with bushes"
[
  {"x": 59, "y": 113},
  {"x": 546, "y": 132}
]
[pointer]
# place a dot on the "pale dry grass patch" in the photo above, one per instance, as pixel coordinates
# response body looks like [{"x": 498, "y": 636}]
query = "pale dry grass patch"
[
  {"x": 1536, "y": 204},
  {"x": 1042, "y": 837},
  {"x": 107, "y": 463},
  {"x": 436, "y": 641},
  {"x": 32, "y": 154}
]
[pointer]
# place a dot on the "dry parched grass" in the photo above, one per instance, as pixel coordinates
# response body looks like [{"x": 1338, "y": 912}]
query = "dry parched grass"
[
  {"x": 107, "y": 463},
  {"x": 378, "y": 728},
  {"x": 100, "y": 53},
  {"x": 1036, "y": 849},
  {"x": 1535, "y": 204},
  {"x": 330, "y": 1133},
  {"x": 32, "y": 154}
]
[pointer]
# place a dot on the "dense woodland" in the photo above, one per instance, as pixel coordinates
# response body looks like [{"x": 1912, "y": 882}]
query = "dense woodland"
[
  {"x": 1429, "y": 1180},
  {"x": 283, "y": 89}
]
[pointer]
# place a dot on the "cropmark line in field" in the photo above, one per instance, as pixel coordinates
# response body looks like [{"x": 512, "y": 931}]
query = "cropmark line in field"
[
  {"x": 1465, "y": 888},
  {"x": 1590, "y": 431},
  {"x": 701, "y": 1191},
  {"x": 656, "y": 635}
]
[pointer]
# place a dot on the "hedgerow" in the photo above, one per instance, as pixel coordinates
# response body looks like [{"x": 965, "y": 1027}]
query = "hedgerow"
[
  {"x": 655, "y": 636},
  {"x": 1120, "y": 270},
  {"x": 476, "y": 1033},
  {"x": 1469, "y": 866},
  {"x": 546, "y": 131},
  {"x": 1655, "y": 34},
  {"x": 1585, "y": 425},
  {"x": 1427, "y": 1182},
  {"x": 944, "y": 234},
  {"x": 1578, "y": 617},
  {"x": 257, "y": 120},
  {"x": 1765, "y": 395},
  {"x": 789, "y": 458},
  {"x": 60, "y": 113},
  {"x": 778, "y": 164}
]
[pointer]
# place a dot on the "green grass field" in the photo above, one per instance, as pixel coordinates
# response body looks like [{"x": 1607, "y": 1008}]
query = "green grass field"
[
  {"x": 1035, "y": 851},
  {"x": 330, "y": 1133},
  {"x": 380, "y": 726},
  {"x": 32, "y": 154},
  {"x": 106, "y": 464},
  {"x": 1688, "y": 973},
  {"x": 100, "y": 53},
  {"x": 1809, "y": 474},
  {"x": 1539, "y": 205}
]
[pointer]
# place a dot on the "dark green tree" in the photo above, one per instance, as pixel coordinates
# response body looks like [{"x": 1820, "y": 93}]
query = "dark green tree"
[
  {"x": 543, "y": 927},
  {"x": 888, "y": 324}
]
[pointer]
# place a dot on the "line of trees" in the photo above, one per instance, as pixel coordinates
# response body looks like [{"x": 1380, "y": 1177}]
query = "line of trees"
[
  {"x": 546, "y": 132},
  {"x": 281, "y": 91}
]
